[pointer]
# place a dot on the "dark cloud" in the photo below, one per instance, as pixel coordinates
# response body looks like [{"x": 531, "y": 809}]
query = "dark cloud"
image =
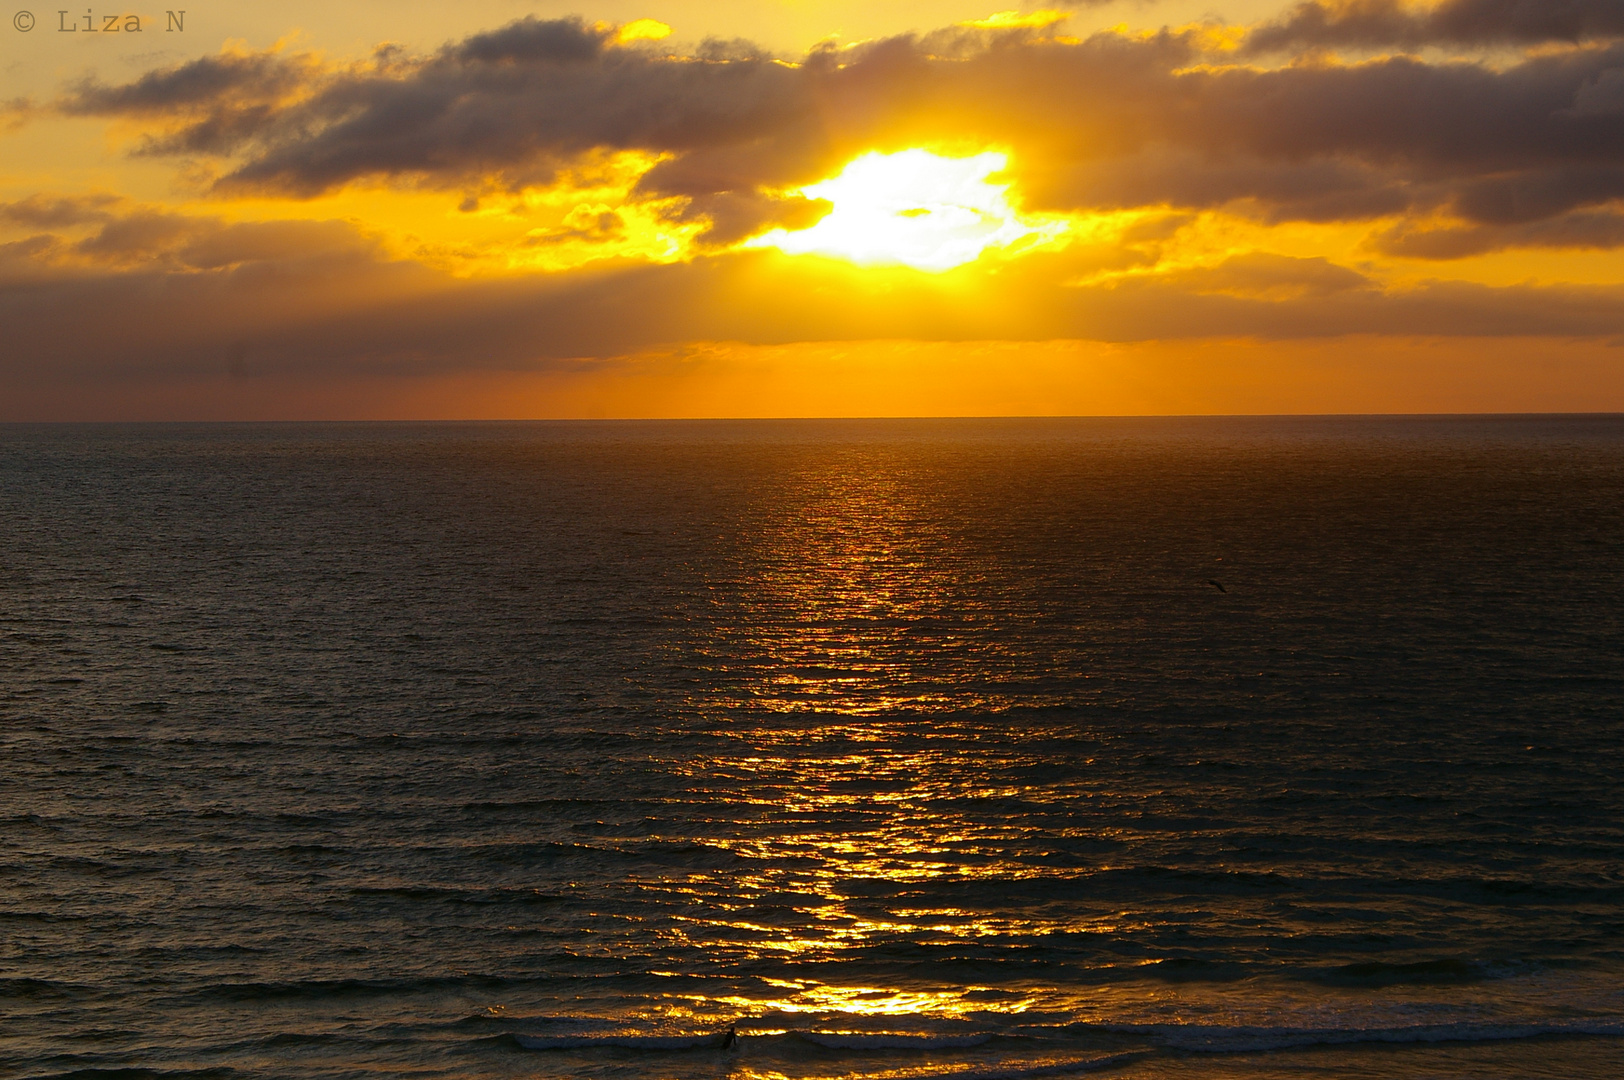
[
  {"x": 733, "y": 216},
  {"x": 535, "y": 91},
  {"x": 198, "y": 85},
  {"x": 591, "y": 227},
  {"x": 126, "y": 235},
  {"x": 190, "y": 244},
  {"x": 25, "y": 264},
  {"x": 187, "y": 297},
  {"x": 1264, "y": 276},
  {"x": 1532, "y": 195},
  {"x": 210, "y": 105},
  {"x": 1314, "y": 189},
  {"x": 1577, "y": 230},
  {"x": 16, "y": 112},
  {"x": 1601, "y": 96},
  {"x": 43, "y": 212},
  {"x": 531, "y": 40},
  {"x": 1388, "y": 23}
]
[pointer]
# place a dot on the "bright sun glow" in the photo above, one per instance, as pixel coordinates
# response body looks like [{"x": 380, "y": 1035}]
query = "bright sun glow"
[{"x": 912, "y": 208}]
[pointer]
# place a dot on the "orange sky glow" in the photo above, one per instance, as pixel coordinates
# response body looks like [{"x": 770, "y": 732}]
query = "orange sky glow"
[{"x": 803, "y": 209}]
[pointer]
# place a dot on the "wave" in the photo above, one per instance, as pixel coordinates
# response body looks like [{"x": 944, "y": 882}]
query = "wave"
[
  {"x": 43, "y": 989},
  {"x": 434, "y": 894},
  {"x": 717, "y": 1040},
  {"x": 1034, "y": 1069},
  {"x": 1444, "y": 972},
  {"x": 888, "y": 1040},
  {"x": 1181, "y": 969},
  {"x": 1057, "y": 877},
  {"x": 845, "y": 1040},
  {"x": 1199, "y": 1038},
  {"x": 140, "y": 1074},
  {"x": 1241, "y": 1039},
  {"x": 487, "y": 1017},
  {"x": 319, "y": 989}
]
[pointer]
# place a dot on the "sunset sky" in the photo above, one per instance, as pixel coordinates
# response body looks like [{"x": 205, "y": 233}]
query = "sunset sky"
[{"x": 792, "y": 208}]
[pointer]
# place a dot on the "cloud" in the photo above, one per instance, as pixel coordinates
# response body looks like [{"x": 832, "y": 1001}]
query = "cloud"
[
  {"x": 44, "y": 212},
  {"x": 1107, "y": 122},
  {"x": 524, "y": 96},
  {"x": 1595, "y": 230},
  {"x": 1441, "y": 158},
  {"x": 205, "y": 83},
  {"x": 1326, "y": 188},
  {"x": 1386, "y": 23},
  {"x": 1261, "y": 275},
  {"x": 209, "y": 105},
  {"x": 176, "y": 296},
  {"x": 126, "y": 234},
  {"x": 16, "y": 113}
]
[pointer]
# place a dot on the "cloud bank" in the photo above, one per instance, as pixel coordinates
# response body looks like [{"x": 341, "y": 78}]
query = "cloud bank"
[
  {"x": 1107, "y": 121},
  {"x": 1371, "y": 113},
  {"x": 1386, "y": 23}
]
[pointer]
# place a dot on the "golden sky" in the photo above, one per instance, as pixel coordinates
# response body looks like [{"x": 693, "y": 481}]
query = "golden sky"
[{"x": 496, "y": 209}]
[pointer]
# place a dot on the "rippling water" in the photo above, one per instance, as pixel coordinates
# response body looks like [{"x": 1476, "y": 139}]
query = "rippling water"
[{"x": 1285, "y": 748}]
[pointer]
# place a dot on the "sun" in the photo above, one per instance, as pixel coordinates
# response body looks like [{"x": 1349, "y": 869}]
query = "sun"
[{"x": 911, "y": 208}]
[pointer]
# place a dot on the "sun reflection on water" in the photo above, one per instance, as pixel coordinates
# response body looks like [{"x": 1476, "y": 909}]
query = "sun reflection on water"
[
  {"x": 805, "y": 996},
  {"x": 854, "y": 664},
  {"x": 858, "y": 600}
]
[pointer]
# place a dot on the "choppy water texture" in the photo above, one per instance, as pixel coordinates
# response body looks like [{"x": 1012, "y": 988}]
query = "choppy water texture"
[{"x": 1201, "y": 748}]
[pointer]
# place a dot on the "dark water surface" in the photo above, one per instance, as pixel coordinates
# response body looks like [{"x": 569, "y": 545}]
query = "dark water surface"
[{"x": 1151, "y": 748}]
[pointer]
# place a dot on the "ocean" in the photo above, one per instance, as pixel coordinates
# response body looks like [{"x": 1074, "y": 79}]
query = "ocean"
[{"x": 1143, "y": 748}]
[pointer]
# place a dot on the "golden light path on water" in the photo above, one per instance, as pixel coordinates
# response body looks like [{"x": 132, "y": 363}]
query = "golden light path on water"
[
  {"x": 858, "y": 603},
  {"x": 861, "y": 619},
  {"x": 867, "y": 634},
  {"x": 888, "y": 843}
]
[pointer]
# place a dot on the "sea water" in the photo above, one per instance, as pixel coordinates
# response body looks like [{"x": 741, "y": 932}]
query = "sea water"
[{"x": 1142, "y": 748}]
